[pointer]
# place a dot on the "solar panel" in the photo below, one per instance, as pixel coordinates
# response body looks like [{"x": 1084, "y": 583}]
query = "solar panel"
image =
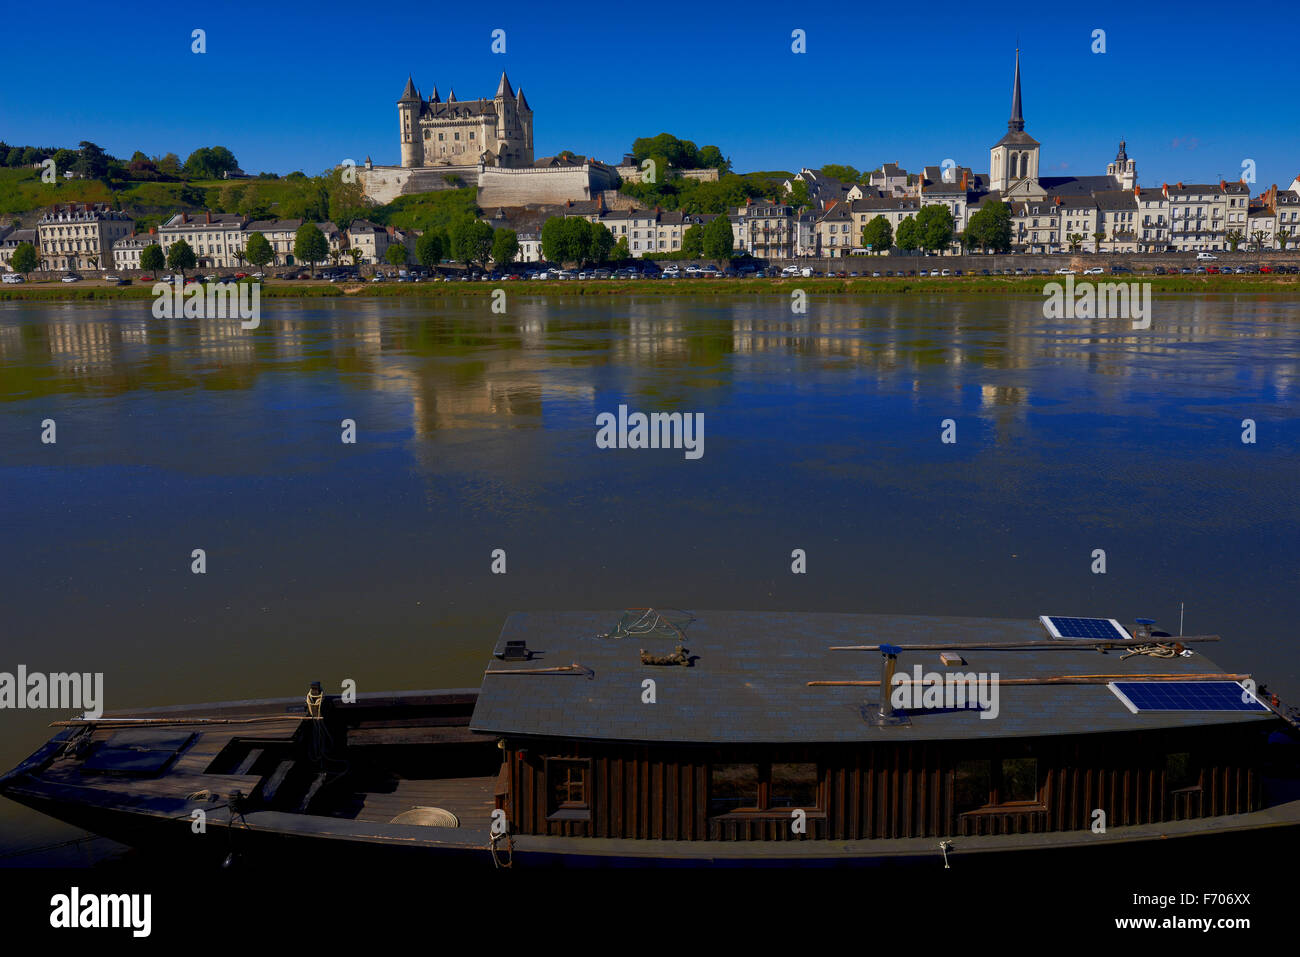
[
  {"x": 1102, "y": 629},
  {"x": 1139, "y": 696}
]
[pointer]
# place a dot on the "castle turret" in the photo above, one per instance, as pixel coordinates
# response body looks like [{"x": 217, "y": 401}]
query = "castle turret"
[
  {"x": 525, "y": 114},
  {"x": 408, "y": 115}
]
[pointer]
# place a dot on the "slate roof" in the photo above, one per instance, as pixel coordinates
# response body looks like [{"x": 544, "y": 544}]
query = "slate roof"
[{"x": 748, "y": 682}]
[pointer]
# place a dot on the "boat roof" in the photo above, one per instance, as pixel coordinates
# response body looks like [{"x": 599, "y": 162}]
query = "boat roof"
[{"x": 748, "y": 681}]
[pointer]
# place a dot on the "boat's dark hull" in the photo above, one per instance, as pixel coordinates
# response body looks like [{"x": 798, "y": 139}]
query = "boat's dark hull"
[{"x": 266, "y": 840}]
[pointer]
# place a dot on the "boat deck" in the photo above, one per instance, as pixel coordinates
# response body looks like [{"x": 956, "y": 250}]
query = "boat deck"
[{"x": 471, "y": 799}]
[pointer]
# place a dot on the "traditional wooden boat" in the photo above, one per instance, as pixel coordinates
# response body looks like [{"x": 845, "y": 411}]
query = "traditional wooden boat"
[{"x": 735, "y": 738}]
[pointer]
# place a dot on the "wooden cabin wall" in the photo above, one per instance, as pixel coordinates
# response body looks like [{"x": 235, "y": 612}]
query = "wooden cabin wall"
[{"x": 889, "y": 790}]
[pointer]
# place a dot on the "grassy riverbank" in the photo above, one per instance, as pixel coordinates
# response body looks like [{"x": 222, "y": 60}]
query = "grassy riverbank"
[{"x": 973, "y": 285}]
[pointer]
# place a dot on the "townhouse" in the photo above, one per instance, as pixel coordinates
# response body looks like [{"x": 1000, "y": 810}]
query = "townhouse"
[
  {"x": 766, "y": 230},
  {"x": 835, "y": 235},
  {"x": 280, "y": 233},
  {"x": 80, "y": 236},
  {"x": 1287, "y": 226},
  {"x": 12, "y": 240},
  {"x": 1202, "y": 215},
  {"x": 127, "y": 250},
  {"x": 1117, "y": 217},
  {"x": 893, "y": 209},
  {"x": 218, "y": 239},
  {"x": 1035, "y": 226},
  {"x": 1152, "y": 226}
]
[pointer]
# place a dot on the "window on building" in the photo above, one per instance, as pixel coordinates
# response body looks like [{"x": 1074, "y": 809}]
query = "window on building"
[
  {"x": 1004, "y": 781},
  {"x": 763, "y": 786},
  {"x": 567, "y": 785}
]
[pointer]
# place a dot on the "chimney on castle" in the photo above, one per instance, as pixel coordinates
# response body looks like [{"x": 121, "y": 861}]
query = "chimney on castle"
[
  {"x": 185, "y": 217},
  {"x": 1222, "y": 185},
  {"x": 208, "y": 216}
]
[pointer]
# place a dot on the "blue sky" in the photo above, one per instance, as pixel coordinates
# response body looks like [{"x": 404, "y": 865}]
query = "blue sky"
[{"x": 1195, "y": 88}]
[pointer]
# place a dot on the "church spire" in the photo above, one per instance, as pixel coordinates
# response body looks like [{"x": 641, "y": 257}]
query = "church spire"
[{"x": 1017, "y": 122}]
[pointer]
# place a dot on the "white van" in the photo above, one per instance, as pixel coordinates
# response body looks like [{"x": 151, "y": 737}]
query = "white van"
[
  {"x": 1205, "y": 257},
  {"x": 12, "y": 277}
]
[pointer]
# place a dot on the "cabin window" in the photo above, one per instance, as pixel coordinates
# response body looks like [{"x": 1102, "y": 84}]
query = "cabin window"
[
  {"x": 996, "y": 783},
  {"x": 567, "y": 782},
  {"x": 765, "y": 786},
  {"x": 1180, "y": 773},
  {"x": 733, "y": 787},
  {"x": 793, "y": 785}
]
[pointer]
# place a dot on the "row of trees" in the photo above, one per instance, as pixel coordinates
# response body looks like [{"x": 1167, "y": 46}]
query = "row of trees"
[
  {"x": 90, "y": 161},
  {"x": 678, "y": 154},
  {"x": 933, "y": 230}
]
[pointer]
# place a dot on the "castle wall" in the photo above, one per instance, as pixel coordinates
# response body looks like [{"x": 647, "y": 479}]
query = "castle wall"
[
  {"x": 497, "y": 186},
  {"x": 520, "y": 187},
  {"x": 383, "y": 184}
]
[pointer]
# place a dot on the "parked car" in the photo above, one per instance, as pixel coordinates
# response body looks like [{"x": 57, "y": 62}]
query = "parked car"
[
  {"x": 1205, "y": 257},
  {"x": 71, "y": 277},
  {"x": 1119, "y": 270},
  {"x": 12, "y": 277},
  {"x": 1093, "y": 271}
]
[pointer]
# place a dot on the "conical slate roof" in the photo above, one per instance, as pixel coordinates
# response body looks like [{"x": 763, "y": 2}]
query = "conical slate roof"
[
  {"x": 1017, "y": 122},
  {"x": 503, "y": 88},
  {"x": 409, "y": 93}
]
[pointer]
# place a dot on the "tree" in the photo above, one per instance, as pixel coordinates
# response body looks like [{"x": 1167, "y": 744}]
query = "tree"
[
  {"x": 552, "y": 240},
  {"x": 693, "y": 242},
  {"x": 621, "y": 253},
  {"x": 24, "y": 258},
  {"x": 847, "y": 174},
  {"x": 152, "y": 258},
  {"x": 64, "y": 160},
  {"x": 602, "y": 243},
  {"x": 505, "y": 246},
  {"x": 576, "y": 233},
  {"x": 395, "y": 254},
  {"x": 877, "y": 234},
  {"x": 471, "y": 241},
  {"x": 259, "y": 251},
  {"x": 675, "y": 153},
  {"x": 210, "y": 162},
  {"x": 717, "y": 237},
  {"x": 430, "y": 248},
  {"x": 310, "y": 245},
  {"x": 1283, "y": 237},
  {"x": 91, "y": 161},
  {"x": 168, "y": 163},
  {"x": 908, "y": 236},
  {"x": 1098, "y": 238},
  {"x": 990, "y": 228},
  {"x": 711, "y": 157},
  {"x": 1075, "y": 240},
  {"x": 181, "y": 257},
  {"x": 1234, "y": 238},
  {"x": 934, "y": 227}
]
